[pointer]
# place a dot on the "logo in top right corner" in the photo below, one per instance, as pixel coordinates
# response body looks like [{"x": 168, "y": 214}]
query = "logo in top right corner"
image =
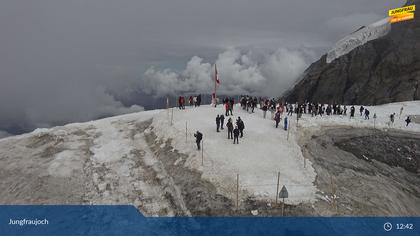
[{"x": 402, "y": 14}]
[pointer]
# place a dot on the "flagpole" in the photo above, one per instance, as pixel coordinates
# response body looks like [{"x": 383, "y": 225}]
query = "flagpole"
[{"x": 215, "y": 85}]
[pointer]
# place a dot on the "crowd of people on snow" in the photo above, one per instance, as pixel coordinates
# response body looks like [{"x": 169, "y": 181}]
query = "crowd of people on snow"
[
  {"x": 192, "y": 100},
  {"x": 234, "y": 131},
  {"x": 278, "y": 110},
  {"x": 336, "y": 109}
]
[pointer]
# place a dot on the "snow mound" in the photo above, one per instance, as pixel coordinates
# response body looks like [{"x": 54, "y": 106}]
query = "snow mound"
[{"x": 358, "y": 38}]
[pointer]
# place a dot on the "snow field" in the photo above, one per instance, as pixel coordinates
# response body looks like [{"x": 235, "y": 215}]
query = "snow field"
[{"x": 260, "y": 155}]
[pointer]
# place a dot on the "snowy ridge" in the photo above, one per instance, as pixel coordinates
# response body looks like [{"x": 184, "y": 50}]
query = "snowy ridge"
[
  {"x": 358, "y": 38},
  {"x": 146, "y": 160}
]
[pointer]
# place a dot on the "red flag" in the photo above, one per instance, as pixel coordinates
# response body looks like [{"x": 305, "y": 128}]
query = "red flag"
[{"x": 216, "y": 75}]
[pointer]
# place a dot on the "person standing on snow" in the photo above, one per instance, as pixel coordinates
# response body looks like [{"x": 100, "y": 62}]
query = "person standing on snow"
[
  {"x": 229, "y": 125},
  {"x": 254, "y": 104},
  {"x": 227, "y": 109},
  {"x": 361, "y": 110},
  {"x": 408, "y": 121},
  {"x": 391, "y": 119},
  {"x": 367, "y": 112},
  {"x": 277, "y": 118},
  {"x": 352, "y": 110},
  {"x": 217, "y": 123},
  {"x": 222, "y": 121},
  {"x": 195, "y": 101},
  {"x": 264, "y": 108},
  {"x": 236, "y": 135},
  {"x": 285, "y": 123},
  {"x": 290, "y": 113},
  {"x": 190, "y": 100},
  {"x": 199, "y": 100},
  {"x": 180, "y": 102},
  {"x": 231, "y": 103},
  {"x": 241, "y": 126},
  {"x": 198, "y": 137}
]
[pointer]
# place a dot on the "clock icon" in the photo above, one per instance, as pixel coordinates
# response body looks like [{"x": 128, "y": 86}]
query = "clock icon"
[{"x": 387, "y": 226}]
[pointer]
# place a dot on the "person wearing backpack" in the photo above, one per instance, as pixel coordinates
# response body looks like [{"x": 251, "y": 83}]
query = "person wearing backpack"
[{"x": 198, "y": 137}]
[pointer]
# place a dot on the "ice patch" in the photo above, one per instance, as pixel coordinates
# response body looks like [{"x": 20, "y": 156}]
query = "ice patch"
[
  {"x": 64, "y": 163},
  {"x": 358, "y": 38}
]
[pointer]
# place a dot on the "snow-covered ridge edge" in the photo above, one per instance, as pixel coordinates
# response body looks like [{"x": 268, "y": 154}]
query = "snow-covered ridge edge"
[
  {"x": 358, "y": 38},
  {"x": 82, "y": 124}
]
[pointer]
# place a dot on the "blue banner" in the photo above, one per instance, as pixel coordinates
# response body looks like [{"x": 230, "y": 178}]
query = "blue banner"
[{"x": 127, "y": 220}]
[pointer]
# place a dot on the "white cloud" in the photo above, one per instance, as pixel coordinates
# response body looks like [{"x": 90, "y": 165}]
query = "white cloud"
[{"x": 252, "y": 71}]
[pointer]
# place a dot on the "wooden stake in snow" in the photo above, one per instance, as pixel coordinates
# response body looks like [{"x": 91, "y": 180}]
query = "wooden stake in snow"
[
  {"x": 167, "y": 108},
  {"x": 202, "y": 152},
  {"x": 332, "y": 190},
  {"x": 237, "y": 191},
  {"x": 186, "y": 131},
  {"x": 172, "y": 116},
  {"x": 374, "y": 121},
  {"x": 304, "y": 162},
  {"x": 278, "y": 184}
]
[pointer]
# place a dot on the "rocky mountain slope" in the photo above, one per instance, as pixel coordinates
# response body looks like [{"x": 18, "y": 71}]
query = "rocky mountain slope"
[{"x": 382, "y": 70}]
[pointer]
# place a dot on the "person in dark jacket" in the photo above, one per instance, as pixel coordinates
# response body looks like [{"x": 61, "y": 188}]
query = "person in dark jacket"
[
  {"x": 367, "y": 112},
  {"x": 285, "y": 123},
  {"x": 199, "y": 100},
  {"x": 180, "y": 102},
  {"x": 277, "y": 118},
  {"x": 408, "y": 120},
  {"x": 290, "y": 112},
  {"x": 222, "y": 121},
  {"x": 198, "y": 137},
  {"x": 392, "y": 118},
  {"x": 231, "y": 103},
  {"x": 217, "y": 123},
  {"x": 229, "y": 125},
  {"x": 264, "y": 108},
  {"x": 236, "y": 135},
  {"x": 241, "y": 126},
  {"x": 352, "y": 110},
  {"x": 361, "y": 110}
]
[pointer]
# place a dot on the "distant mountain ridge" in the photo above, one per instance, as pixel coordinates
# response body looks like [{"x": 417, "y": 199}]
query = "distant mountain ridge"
[{"x": 383, "y": 70}]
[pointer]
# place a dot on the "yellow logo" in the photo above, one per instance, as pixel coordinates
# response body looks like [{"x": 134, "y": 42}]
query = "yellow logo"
[
  {"x": 408, "y": 16},
  {"x": 402, "y": 10},
  {"x": 401, "y": 14}
]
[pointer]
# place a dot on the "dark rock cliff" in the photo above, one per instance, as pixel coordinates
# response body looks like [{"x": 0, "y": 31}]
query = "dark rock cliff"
[{"x": 383, "y": 70}]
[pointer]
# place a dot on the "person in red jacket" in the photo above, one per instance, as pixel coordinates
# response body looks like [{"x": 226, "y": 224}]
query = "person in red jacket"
[
  {"x": 180, "y": 102},
  {"x": 191, "y": 101}
]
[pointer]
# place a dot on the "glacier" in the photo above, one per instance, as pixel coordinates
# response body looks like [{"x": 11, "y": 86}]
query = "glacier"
[{"x": 358, "y": 38}]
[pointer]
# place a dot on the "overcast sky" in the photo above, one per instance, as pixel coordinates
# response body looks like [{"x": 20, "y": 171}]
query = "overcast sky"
[{"x": 69, "y": 60}]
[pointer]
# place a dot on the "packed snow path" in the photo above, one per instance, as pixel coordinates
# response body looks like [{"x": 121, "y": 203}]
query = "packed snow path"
[{"x": 260, "y": 155}]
